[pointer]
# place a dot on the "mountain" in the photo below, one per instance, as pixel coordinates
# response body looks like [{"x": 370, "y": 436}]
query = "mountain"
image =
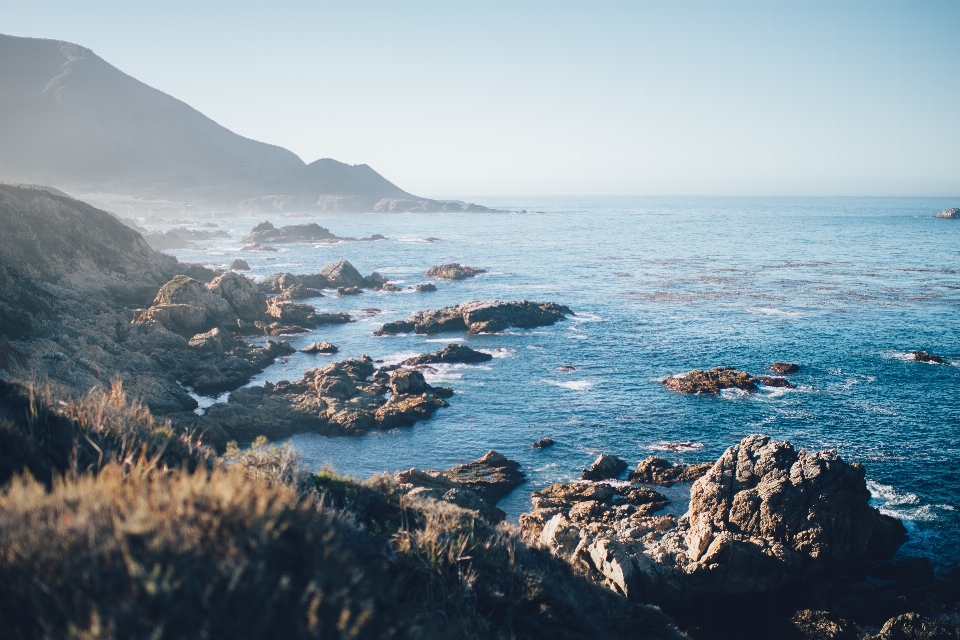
[{"x": 71, "y": 120}]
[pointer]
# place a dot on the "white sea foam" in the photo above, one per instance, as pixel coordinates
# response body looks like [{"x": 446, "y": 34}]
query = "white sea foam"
[
  {"x": 901, "y": 504},
  {"x": 445, "y": 340},
  {"x": 500, "y": 353},
  {"x": 575, "y": 385},
  {"x": 676, "y": 447},
  {"x": 586, "y": 316},
  {"x": 734, "y": 393},
  {"x": 770, "y": 311}
]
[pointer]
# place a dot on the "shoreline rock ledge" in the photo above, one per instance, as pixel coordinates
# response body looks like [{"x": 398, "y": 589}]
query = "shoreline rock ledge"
[
  {"x": 479, "y": 317},
  {"x": 765, "y": 515}
]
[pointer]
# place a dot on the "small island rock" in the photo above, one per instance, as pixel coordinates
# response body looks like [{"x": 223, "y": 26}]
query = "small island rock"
[
  {"x": 784, "y": 368},
  {"x": 953, "y": 213},
  {"x": 240, "y": 265},
  {"x": 605, "y": 467},
  {"x": 543, "y": 443},
  {"x": 453, "y": 271},
  {"x": 320, "y": 347},
  {"x": 452, "y": 353}
]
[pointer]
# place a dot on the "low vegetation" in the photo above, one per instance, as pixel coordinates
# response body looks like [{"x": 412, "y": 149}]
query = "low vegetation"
[{"x": 113, "y": 525}]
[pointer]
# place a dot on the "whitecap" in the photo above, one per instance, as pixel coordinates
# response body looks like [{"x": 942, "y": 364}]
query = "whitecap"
[
  {"x": 445, "y": 340},
  {"x": 575, "y": 385},
  {"x": 499, "y": 353},
  {"x": 586, "y": 316},
  {"x": 770, "y": 311},
  {"x": 676, "y": 447},
  {"x": 733, "y": 392},
  {"x": 899, "y": 504}
]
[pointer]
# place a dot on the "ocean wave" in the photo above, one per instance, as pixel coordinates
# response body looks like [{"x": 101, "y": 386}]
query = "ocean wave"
[
  {"x": 445, "y": 340},
  {"x": 586, "y": 316},
  {"x": 499, "y": 353},
  {"x": 575, "y": 385},
  {"x": 902, "y": 505},
  {"x": 734, "y": 393},
  {"x": 682, "y": 446},
  {"x": 770, "y": 311}
]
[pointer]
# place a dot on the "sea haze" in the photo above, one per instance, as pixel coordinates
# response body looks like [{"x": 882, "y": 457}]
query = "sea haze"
[{"x": 844, "y": 287}]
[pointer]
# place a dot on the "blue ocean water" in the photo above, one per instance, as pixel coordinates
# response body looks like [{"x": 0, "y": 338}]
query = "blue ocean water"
[{"x": 844, "y": 287}]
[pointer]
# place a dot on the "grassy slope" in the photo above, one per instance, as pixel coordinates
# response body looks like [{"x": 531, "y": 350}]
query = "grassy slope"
[{"x": 132, "y": 530}]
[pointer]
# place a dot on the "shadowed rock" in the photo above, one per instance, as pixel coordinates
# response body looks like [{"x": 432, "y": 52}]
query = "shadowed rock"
[
  {"x": 312, "y": 232},
  {"x": 543, "y": 443},
  {"x": 240, "y": 265},
  {"x": 605, "y": 467},
  {"x": 784, "y": 368},
  {"x": 479, "y": 317},
  {"x": 658, "y": 471},
  {"x": 923, "y": 356}
]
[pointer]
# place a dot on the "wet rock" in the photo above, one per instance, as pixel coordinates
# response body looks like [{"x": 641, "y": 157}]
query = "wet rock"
[
  {"x": 822, "y": 625},
  {"x": 659, "y": 472},
  {"x": 320, "y": 347},
  {"x": 953, "y": 213},
  {"x": 349, "y": 291},
  {"x": 784, "y": 368},
  {"x": 374, "y": 281},
  {"x": 312, "y": 232},
  {"x": 240, "y": 265},
  {"x": 774, "y": 381},
  {"x": 342, "y": 274},
  {"x": 453, "y": 271},
  {"x": 712, "y": 381},
  {"x": 605, "y": 467},
  {"x": 543, "y": 443},
  {"x": 479, "y": 317},
  {"x": 338, "y": 399},
  {"x": 452, "y": 353},
  {"x": 426, "y": 287},
  {"x": 913, "y": 626},
  {"x": 923, "y": 356},
  {"x": 763, "y": 516}
]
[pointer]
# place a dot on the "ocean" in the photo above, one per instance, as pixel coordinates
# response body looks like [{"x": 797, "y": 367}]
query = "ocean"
[{"x": 845, "y": 287}]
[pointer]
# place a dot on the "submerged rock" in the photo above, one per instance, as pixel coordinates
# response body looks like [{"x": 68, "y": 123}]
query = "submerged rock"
[
  {"x": 763, "y": 516},
  {"x": 453, "y": 271},
  {"x": 658, "y": 471},
  {"x": 605, "y": 467},
  {"x": 338, "y": 399},
  {"x": 923, "y": 356},
  {"x": 953, "y": 213},
  {"x": 784, "y": 368},
  {"x": 479, "y": 317},
  {"x": 452, "y": 353},
  {"x": 320, "y": 347}
]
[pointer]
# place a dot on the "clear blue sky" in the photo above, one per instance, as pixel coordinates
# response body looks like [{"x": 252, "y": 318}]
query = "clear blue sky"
[{"x": 460, "y": 98}]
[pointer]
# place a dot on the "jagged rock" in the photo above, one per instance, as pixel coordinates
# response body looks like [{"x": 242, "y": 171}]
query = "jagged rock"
[
  {"x": 453, "y": 271},
  {"x": 784, "y": 368},
  {"x": 188, "y": 307},
  {"x": 338, "y": 399},
  {"x": 426, "y": 287},
  {"x": 349, "y": 291},
  {"x": 543, "y": 443},
  {"x": 605, "y": 467},
  {"x": 298, "y": 292},
  {"x": 477, "y": 485},
  {"x": 763, "y": 516},
  {"x": 950, "y": 213},
  {"x": 913, "y": 626},
  {"x": 452, "y": 353},
  {"x": 658, "y": 471},
  {"x": 923, "y": 356},
  {"x": 312, "y": 232},
  {"x": 247, "y": 302},
  {"x": 479, "y": 317},
  {"x": 712, "y": 381},
  {"x": 301, "y": 316},
  {"x": 240, "y": 265},
  {"x": 320, "y": 347},
  {"x": 342, "y": 274}
]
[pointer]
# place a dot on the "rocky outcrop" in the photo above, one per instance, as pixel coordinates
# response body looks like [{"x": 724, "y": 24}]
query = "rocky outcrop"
[
  {"x": 953, "y": 213},
  {"x": 239, "y": 265},
  {"x": 453, "y": 271},
  {"x": 717, "y": 379},
  {"x": 784, "y": 368},
  {"x": 312, "y": 232},
  {"x": 605, "y": 467},
  {"x": 320, "y": 347},
  {"x": 658, "y": 471},
  {"x": 349, "y": 291},
  {"x": 289, "y": 317},
  {"x": 452, "y": 353},
  {"x": 342, "y": 274},
  {"x": 543, "y": 443},
  {"x": 339, "y": 399},
  {"x": 337, "y": 275},
  {"x": 246, "y": 301},
  {"x": 923, "y": 356},
  {"x": 477, "y": 485},
  {"x": 299, "y": 292},
  {"x": 479, "y": 317},
  {"x": 187, "y": 307},
  {"x": 426, "y": 287},
  {"x": 763, "y": 516}
]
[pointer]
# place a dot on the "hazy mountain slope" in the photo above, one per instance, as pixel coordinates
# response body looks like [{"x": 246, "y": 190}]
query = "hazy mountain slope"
[{"x": 69, "y": 118}]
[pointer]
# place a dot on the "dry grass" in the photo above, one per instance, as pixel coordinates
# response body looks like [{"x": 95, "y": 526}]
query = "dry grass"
[{"x": 149, "y": 537}]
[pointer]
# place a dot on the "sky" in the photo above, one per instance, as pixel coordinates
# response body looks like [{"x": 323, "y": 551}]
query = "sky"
[{"x": 455, "y": 98}]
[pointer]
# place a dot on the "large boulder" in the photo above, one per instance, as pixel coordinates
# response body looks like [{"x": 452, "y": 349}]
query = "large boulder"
[
  {"x": 479, "y": 317},
  {"x": 342, "y": 274},
  {"x": 187, "y": 307},
  {"x": 247, "y": 302}
]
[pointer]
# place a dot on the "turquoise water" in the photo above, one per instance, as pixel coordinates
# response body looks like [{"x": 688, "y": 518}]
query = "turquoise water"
[{"x": 844, "y": 287}]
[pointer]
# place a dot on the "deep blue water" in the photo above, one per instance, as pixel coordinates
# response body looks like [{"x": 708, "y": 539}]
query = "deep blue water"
[{"x": 844, "y": 287}]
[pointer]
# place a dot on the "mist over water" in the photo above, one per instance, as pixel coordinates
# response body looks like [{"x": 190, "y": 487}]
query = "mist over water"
[{"x": 844, "y": 287}]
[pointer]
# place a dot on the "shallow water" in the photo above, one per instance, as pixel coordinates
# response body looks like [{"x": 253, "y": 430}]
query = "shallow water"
[{"x": 844, "y": 287}]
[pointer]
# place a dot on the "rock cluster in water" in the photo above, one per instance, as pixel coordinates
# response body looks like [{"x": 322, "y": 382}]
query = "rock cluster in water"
[
  {"x": 477, "y": 485},
  {"x": 763, "y": 516},
  {"x": 715, "y": 380},
  {"x": 953, "y": 213},
  {"x": 453, "y": 271},
  {"x": 479, "y": 317},
  {"x": 342, "y": 398}
]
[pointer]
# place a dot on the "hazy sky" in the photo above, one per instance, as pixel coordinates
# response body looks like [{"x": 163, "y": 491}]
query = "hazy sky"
[{"x": 520, "y": 97}]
